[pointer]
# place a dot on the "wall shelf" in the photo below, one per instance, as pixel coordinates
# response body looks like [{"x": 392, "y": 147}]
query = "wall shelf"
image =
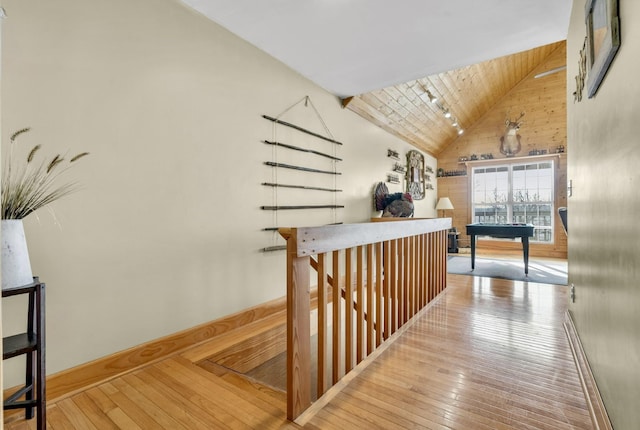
[{"x": 511, "y": 159}]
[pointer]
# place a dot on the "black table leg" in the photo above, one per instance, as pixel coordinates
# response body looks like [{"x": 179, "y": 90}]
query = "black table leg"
[
  {"x": 525, "y": 250},
  {"x": 473, "y": 251}
]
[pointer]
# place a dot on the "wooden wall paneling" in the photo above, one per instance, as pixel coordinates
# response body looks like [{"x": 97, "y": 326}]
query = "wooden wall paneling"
[
  {"x": 372, "y": 109},
  {"x": 381, "y": 98},
  {"x": 544, "y": 102},
  {"x": 398, "y": 110},
  {"x": 416, "y": 93},
  {"x": 405, "y": 109}
]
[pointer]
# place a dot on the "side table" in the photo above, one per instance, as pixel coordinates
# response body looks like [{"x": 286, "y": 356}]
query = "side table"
[{"x": 32, "y": 345}]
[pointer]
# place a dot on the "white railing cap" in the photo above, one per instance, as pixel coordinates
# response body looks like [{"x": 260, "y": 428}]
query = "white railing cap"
[{"x": 315, "y": 240}]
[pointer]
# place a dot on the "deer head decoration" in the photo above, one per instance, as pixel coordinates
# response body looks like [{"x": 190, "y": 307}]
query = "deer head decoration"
[{"x": 510, "y": 141}]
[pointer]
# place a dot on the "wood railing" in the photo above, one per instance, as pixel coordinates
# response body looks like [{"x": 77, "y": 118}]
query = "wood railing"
[{"x": 372, "y": 278}]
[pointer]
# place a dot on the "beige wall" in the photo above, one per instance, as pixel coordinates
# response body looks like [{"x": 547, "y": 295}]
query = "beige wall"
[
  {"x": 604, "y": 243},
  {"x": 544, "y": 103},
  {"x": 166, "y": 231}
]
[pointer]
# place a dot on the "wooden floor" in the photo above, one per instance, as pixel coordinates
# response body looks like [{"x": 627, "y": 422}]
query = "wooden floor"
[{"x": 489, "y": 354}]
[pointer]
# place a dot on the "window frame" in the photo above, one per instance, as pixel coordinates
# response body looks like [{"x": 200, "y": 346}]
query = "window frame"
[{"x": 510, "y": 203}]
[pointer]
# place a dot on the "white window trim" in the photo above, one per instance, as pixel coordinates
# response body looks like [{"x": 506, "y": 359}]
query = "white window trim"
[{"x": 553, "y": 158}]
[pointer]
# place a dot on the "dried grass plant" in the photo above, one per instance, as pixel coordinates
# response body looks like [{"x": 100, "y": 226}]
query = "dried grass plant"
[{"x": 31, "y": 184}]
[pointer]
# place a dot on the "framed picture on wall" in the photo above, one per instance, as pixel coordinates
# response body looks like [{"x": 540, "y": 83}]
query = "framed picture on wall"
[
  {"x": 603, "y": 40},
  {"x": 415, "y": 175}
]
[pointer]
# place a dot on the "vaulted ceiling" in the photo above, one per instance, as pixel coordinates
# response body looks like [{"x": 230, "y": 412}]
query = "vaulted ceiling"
[
  {"x": 406, "y": 110},
  {"x": 380, "y": 58}
]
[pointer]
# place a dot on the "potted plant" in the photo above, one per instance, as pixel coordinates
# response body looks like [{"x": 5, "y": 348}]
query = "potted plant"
[{"x": 28, "y": 184}]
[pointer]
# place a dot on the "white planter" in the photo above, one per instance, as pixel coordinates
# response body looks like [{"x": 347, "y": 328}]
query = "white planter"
[{"x": 16, "y": 267}]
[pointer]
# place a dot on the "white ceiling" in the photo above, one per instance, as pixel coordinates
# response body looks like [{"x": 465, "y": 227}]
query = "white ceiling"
[{"x": 350, "y": 47}]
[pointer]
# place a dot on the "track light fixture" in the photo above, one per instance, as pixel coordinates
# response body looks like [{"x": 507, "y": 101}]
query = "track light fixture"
[
  {"x": 432, "y": 98},
  {"x": 445, "y": 111}
]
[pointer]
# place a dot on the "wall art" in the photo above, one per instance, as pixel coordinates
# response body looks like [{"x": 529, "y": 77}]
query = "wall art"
[{"x": 603, "y": 40}]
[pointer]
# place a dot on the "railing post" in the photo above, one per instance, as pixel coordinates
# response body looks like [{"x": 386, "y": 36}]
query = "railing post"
[
  {"x": 337, "y": 320},
  {"x": 298, "y": 329},
  {"x": 387, "y": 288},
  {"x": 323, "y": 301}
]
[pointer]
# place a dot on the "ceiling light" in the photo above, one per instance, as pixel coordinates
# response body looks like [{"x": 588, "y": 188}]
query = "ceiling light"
[
  {"x": 432, "y": 98},
  {"x": 442, "y": 108}
]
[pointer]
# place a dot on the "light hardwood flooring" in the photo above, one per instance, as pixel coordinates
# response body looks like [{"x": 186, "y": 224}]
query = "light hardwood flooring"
[{"x": 489, "y": 354}]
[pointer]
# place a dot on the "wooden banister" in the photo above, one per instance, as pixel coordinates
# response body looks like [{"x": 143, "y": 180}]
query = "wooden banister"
[
  {"x": 343, "y": 290},
  {"x": 381, "y": 274},
  {"x": 298, "y": 330}
]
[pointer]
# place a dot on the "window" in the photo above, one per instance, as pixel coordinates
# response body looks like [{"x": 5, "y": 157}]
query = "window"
[{"x": 516, "y": 193}]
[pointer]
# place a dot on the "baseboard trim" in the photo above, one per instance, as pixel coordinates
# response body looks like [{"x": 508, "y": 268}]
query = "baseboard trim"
[
  {"x": 596, "y": 406},
  {"x": 81, "y": 377}
]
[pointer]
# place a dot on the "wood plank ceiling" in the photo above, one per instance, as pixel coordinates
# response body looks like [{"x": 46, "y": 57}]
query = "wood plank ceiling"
[{"x": 405, "y": 110}]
